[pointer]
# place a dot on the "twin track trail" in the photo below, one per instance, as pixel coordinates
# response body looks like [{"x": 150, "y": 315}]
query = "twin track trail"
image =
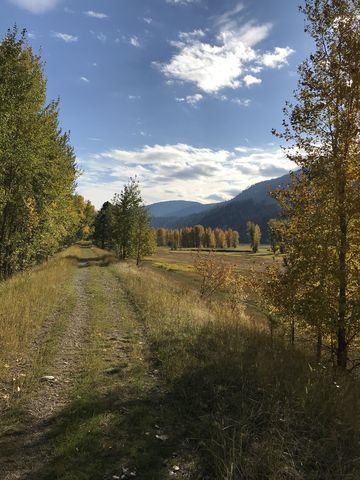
[{"x": 99, "y": 412}]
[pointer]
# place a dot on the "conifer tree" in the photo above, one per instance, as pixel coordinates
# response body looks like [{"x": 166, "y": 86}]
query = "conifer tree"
[{"x": 102, "y": 226}]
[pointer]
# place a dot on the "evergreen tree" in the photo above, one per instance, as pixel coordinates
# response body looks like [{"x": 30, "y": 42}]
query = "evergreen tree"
[{"x": 102, "y": 226}]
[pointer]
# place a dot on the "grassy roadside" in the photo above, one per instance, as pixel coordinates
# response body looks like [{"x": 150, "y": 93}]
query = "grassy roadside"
[
  {"x": 31, "y": 300},
  {"x": 255, "y": 408}
]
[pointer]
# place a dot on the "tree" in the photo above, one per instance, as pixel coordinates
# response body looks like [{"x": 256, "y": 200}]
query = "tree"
[
  {"x": 198, "y": 236},
  {"x": 274, "y": 235},
  {"x": 161, "y": 237},
  {"x": 102, "y": 226},
  {"x": 37, "y": 163},
  {"x": 254, "y": 233},
  {"x": 131, "y": 234},
  {"x": 125, "y": 210},
  {"x": 143, "y": 238},
  {"x": 322, "y": 206},
  {"x": 235, "y": 241},
  {"x": 229, "y": 238},
  {"x": 215, "y": 273}
]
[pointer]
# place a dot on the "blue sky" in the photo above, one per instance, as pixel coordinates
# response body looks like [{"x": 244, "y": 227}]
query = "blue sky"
[{"x": 182, "y": 93}]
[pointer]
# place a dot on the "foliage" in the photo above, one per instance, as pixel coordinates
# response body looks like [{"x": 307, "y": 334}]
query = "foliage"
[
  {"x": 86, "y": 214},
  {"x": 254, "y": 233},
  {"x": 102, "y": 226},
  {"x": 37, "y": 163},
  {"x": 322, "y": 206},
  {"x": 214, "y": 272},
  {"x": 197, "y": 237},
  {"x": 274, "y": 235},
  {"x": 124, "y": 224}
]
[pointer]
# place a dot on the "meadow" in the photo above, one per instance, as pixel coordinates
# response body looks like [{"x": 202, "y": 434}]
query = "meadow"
[{"x": 151, "y": 381}]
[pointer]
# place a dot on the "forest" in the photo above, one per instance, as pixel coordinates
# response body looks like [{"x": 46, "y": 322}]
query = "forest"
[{"x": 128, "y": 351}]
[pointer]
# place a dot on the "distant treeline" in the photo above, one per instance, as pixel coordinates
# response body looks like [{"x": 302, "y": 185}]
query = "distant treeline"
[
  {"x": 39, "y": 212},
  {"x": 197, "y": 237}
]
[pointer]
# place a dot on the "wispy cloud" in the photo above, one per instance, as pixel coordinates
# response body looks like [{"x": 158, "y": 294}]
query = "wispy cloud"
[
  {"x": 242, "y": 102},
  {"x": 182, "y": 2},
  {"x": 67, "y": 38},
  {"x": 100, "y": 36},
  {"x": 36, "y": 6},
  {"x": 191, "y": 99},
  {"x": 85, "y": 79},
  {"x": 180, "y": 171},
  {"x": 99, "y": 15}
]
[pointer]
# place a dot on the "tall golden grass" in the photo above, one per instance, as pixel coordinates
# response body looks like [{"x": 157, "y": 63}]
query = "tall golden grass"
[
  {"x": 28, "y": 300},
  {"x": 254, "y": 406}
]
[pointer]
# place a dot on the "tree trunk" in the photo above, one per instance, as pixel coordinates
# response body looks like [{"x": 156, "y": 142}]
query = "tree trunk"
[
  {"x": 292, "y": 331},
  {"x": 319, "y": 344},
  {"x": 341, "y": 327}
]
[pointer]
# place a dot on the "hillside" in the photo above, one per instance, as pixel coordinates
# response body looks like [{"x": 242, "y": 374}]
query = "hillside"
[
  {"x": 253, "y": 204},
  {"x": 176, "y": 208}
]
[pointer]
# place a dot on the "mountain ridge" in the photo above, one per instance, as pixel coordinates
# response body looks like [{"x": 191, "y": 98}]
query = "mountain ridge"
[{"x": 252, "y": 204}]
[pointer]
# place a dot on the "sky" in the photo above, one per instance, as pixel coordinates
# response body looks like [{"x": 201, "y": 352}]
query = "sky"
[{"x": 182, "y": 93}]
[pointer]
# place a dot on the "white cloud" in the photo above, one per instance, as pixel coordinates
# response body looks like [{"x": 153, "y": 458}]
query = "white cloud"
[
  {"x": 99, "y": 15},
  {"x": 36, "y": 6},
  {"x": 148, "y": 20},
  {"x": 65, "y": 37},
  {"x": 84, "y": 79},
  {"x": 251, "y": 80},
  {"x": 134, "y": 97},
  {"x": 197, "y": 33},
  {"x": 191, "y": 99},
  {"x": 278, "y": 58},
  {"x": 180, "y": 171},
  {"x": 210, "y": 67},
  {"x": 134, "y": 41},
  {"x": 221, "y": 63}
]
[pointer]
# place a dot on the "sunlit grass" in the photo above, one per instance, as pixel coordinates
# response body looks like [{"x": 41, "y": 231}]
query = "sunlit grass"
[
  {"x": 255, "y": 406},
  {"x": 28, "y": 300}
]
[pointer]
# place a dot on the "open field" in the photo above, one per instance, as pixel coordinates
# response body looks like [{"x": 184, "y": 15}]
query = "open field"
[
  {"x": 244, "y": 260},
  {"x": 146, "y": 380},
  {"x": 179, "y": 266}
]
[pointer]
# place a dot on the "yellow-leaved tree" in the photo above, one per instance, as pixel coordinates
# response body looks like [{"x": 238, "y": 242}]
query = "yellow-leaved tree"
[{"x": 319, "y": 283}]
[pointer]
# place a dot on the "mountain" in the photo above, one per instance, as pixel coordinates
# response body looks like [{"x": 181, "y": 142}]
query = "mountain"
[
  {"x": 176, "y": 208},
  {"x": 254, "y": 204},
  {"x": 259, "y": 192}
]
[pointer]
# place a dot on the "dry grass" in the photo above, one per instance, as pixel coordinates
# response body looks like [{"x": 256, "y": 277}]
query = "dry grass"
[
  {"x": 254, "y": 407},
  {"x": 28, "y": 300}
]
